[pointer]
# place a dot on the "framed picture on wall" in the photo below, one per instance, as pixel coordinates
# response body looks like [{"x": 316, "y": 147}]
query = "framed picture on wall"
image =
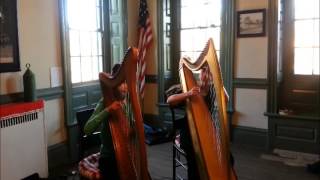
[
  {"x": 9, "y": 48},
  {"x": 251, "y": 23}
]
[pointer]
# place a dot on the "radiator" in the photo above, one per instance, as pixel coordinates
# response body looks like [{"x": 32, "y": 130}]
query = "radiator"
[{"x": 23, "y": 142}]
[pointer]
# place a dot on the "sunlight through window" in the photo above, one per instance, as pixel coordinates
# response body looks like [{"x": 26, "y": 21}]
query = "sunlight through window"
[
  {"x": 200, "y": 20},
  {"x": 85, "y": 37},
  {"x": 306, "y": 35}
]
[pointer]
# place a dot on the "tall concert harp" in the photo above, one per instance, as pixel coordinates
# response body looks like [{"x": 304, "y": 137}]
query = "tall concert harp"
[
  {"x": 208, "y": 126},
  {"x": 127, "y": 133}
]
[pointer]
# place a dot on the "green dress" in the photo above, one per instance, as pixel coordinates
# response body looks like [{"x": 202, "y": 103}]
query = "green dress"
[{"x": 98, "y": 119}]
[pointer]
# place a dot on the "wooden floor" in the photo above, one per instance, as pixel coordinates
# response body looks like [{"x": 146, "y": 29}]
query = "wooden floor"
[{"x": 248, "y": 165}]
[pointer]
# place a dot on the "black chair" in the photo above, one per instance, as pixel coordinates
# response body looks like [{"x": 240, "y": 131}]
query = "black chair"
[
  {"x": 88, "y": 144},
  {"x": 179, "y": 156}
]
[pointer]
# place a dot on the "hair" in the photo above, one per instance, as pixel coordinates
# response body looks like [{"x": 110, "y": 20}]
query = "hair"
[{"x": 115, "y": 69}]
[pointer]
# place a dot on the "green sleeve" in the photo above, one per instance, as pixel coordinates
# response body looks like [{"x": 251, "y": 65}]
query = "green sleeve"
[{"x": 96, "y": 118}]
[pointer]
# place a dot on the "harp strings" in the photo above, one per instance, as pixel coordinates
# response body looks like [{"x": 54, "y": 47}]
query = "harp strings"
[
  {"x": 132, "y": 136},
  {"x": 211, "y": 102}
]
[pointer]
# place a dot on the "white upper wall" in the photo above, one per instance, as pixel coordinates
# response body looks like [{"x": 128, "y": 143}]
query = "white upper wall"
[
  {"x": 39, "y": 44},
  {"x": 251, "y": 60},
  {"x": 251, "y": 54}
]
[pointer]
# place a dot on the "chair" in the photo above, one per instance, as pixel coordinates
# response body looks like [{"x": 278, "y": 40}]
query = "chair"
[
  {"x": 87, "y": 143},
  {"x": 177, "y": 114},
  {"x": 88, "y": 147}
]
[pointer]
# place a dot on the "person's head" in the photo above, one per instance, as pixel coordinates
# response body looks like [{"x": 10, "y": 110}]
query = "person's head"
[
  {"x": 204, "y": 76},
  {"x": 122, "y": 89},
  {"x": 205, "y": 79}
]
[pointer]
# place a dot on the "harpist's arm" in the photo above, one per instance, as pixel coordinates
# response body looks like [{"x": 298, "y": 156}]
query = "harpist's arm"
[
  {"x": 176, "y": 99},
  {"x": 96, "y": 118},
  {"x": 100, "y": 114}
]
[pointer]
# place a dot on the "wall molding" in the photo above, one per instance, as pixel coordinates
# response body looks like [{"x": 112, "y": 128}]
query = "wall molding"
[
  {"x": 250, "y": 136},
  {"x": 250, "y": 83},
  {"x": 46, "y": 94}
]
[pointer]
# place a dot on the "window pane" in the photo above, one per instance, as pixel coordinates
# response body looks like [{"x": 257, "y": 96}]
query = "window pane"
[
  {"x": 86, "y": 69},
  {"x": 85, "y": 43},
  {"x": 187, "y": 39},
  {"x": 303, "y": 61},
  {"x": 90, "y": 15},
  {"x": 74, "y": 13},
  {"x": 195, "y": 13},
  {"x": 214, "y": 8},
  {"x": 99, "y": 38},
  {"x": 95, "y": 68},
  {"x": 316, "y": 9},
  {"x": 74, "y": 43},
  {"x": 306, "y": 9},
  {"x": 100, "y": 64},
  {"x": 98, "y": 19},
  {"x": 200, "y": 20},
  {"x": 75, "y": 69},
  {"x": 82, "y": 14},
  {"x": 316, "y": 33},
  {"x": 187, "y": 17},
  {"x": 215, "y": 34},
  {"x": 84, "y": 23},
  {"x": 307, "y": 33},
  {"x": 94, "y": 41},
  {"x": 193, "y": 39},
  {"x": 316, "y": 65},
  {"x": 196, "y": 39}
]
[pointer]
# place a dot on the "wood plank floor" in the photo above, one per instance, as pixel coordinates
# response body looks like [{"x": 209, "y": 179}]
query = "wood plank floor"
[{"x": 248, "y": 165}]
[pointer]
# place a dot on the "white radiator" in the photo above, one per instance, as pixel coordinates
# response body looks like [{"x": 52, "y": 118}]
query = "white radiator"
[{"x": 23, "y": 142}]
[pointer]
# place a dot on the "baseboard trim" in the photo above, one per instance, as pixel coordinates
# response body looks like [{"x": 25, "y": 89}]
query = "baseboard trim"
[{"x": 250, "y": 136}]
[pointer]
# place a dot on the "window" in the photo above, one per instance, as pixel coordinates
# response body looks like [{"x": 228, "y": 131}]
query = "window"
[
  {"x": 200, "y": 20},
  {"x": 306, "y": 37},
  {"x": 298, "y": 53},
  {"x": 85, "y": 30}
]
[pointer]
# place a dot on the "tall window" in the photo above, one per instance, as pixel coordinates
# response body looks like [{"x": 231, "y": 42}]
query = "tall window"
[
  {"x": 306, "y": 37},
  {"x": 299, "y": 54},
  {"x": 85, "y": 30},
  {"x": 200, "y": 20}
]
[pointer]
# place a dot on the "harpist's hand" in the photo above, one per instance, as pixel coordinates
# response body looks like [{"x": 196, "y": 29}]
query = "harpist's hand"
[
  {"x": 114, "y": 106},
  {"x": 194, "y": 91}
]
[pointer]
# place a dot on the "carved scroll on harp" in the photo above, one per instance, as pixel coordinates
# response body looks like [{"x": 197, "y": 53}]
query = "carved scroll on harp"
[
  {"x": 127, "y": 133},
  {"x": 210, "y": 136}
]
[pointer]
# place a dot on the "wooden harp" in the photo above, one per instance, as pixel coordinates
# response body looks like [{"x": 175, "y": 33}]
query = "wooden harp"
[
  {"x": 127, "y": 133},
  {"x": 209, "y": 134}
]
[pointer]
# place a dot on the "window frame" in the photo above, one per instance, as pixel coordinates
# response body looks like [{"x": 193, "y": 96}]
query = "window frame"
[
  {"x": 102, "y": 32},
  {"x": 294, "y": 88}
]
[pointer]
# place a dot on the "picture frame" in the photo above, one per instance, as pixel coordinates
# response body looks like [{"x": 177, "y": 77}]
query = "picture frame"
[
  {"x": 251, "y": 23},
  {"x": 9, "y": 47}
]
